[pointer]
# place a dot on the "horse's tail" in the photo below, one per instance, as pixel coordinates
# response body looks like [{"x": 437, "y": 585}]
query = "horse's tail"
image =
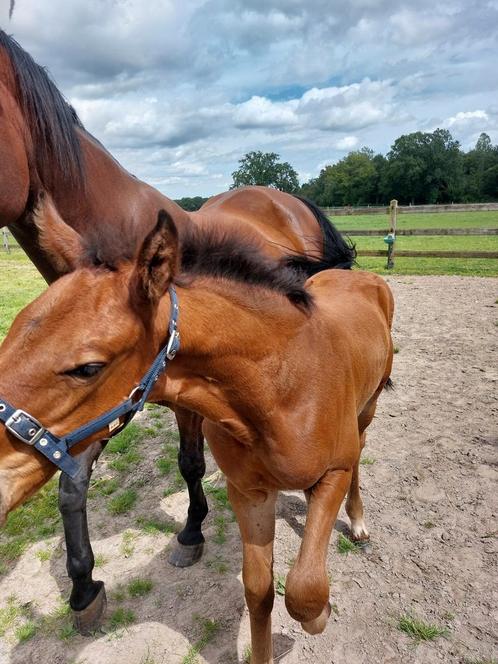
[{"x": 336, "y": 252}]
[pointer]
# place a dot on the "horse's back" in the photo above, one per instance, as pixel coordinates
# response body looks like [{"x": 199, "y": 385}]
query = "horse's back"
[{"x": 281, "y": 220}]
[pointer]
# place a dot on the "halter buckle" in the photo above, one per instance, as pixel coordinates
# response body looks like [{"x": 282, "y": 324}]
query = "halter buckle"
[
  {"x": 173, "y": 344},
  {"x": 24, "y": 427}
]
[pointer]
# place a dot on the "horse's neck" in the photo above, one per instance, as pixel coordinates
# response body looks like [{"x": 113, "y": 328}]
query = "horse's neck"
[
  {"x": 109, "y": 197},
  {"x": 233, "y": 347}
]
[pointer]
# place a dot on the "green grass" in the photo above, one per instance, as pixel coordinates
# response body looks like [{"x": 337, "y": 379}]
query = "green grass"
[
  {"x": 345, "y": 545},
  {"x": 209, "y": 629},
  {"x": 418, "y": 630},
  {"x": 280, "y": 585},
  {"x": 220, "y": 524},
  {"x": 121, "y": 618},
  {"x": 155, "y": 526},
  {"x": 367, "y": 461},
  {"x": 218, "y": 493},
  {"x": 122, "y": 502},
  {"x": 139, "y": 587},
  {"x": 10, "y": 613},
  {"x": 36, "y": 520},
  {"x": 480, "y": 219},
  {"x": 461, "y": 266},
  {"x": 25, "y": 632}
]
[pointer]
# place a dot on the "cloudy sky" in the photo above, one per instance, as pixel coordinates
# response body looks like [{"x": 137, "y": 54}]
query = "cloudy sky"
[{"x": 179, "y": 90}]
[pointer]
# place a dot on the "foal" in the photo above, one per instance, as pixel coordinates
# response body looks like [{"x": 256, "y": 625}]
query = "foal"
[{"x": 287, "y": 379}]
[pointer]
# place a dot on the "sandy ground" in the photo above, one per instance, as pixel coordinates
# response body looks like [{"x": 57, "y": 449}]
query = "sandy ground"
[{"x": 431, "y": 505}]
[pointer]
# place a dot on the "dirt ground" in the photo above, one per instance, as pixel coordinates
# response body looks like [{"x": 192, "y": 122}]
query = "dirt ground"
[{"x": 431, "y": 499}]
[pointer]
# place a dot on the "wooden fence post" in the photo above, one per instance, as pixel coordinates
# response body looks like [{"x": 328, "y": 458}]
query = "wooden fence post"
[
  {"x": 5, "y": 240},
  {"x": 391, "y": 237}
]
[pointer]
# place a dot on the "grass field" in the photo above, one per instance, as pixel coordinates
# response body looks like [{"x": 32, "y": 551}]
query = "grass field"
[{"x": 482, "y": 267}]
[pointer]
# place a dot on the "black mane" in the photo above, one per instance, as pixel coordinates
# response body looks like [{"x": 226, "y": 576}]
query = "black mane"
[
  {"x": 51, "y": 120},
  {"x": 214, "y": 253}
]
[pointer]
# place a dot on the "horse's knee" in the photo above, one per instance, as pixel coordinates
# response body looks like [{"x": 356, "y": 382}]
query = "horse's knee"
[
  {"x": 192, "y": 466},
  {"x": 306, "y": 595},
  {"x": 258, "y": 587}
]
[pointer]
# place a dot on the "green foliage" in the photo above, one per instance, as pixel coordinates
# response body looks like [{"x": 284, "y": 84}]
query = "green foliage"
[
  {"x": 35, "y": 520},
  {"x": 139, "y": 587},
  {"x": 345, "y": 545},
  {"x": 122, "y": 502},
  {"x": 121, "y": 618},
  {"x": 25, "y": 632},
  {"x": 419, "y": 168},
  {"x": 280, "y": 585},
  {"x": 419, "y": 630},
  {"x": 191, "y": 203},
  {"x": 265, "y": 168},
  {"x": 209, "y": 628}
]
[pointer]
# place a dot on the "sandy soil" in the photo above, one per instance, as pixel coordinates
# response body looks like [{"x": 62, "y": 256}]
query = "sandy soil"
[{"x": 431, "y": 505}]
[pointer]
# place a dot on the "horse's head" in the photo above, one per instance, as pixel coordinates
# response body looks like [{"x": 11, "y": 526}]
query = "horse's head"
[{"x": 79, "y": 349}]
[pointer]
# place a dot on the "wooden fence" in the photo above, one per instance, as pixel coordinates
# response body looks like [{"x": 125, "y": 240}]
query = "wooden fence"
[
  {"x": 392, "y": 233},
  {"x": 410, "y": 209}
]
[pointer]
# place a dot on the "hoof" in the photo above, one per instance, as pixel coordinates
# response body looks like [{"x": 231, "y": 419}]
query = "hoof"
[
  {"x": 185, "y": 555},
  {"x": 317, "y": 625},
  {"x": 90, "y": 619}
]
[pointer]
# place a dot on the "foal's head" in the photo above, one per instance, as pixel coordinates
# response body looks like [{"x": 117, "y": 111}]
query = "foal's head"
[{"x": 78, "y": 350}]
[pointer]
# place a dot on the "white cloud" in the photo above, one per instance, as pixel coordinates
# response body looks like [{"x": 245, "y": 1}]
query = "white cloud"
[{"x": 347, "y": 143}]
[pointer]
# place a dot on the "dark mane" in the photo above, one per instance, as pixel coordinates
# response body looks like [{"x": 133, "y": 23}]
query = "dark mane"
[
  {"x": 215, "y": 253},
  {"x": 51, "y": 120}
]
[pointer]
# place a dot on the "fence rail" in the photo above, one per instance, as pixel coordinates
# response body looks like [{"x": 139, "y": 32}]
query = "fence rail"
[
  {"x": 429, "y": 254},
  {"x": 410, "y": 209},
  {"x": 424, "y": 231}
]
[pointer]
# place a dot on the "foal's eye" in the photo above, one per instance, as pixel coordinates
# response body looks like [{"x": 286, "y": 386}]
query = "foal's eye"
[{"x": 86, "y": 370}]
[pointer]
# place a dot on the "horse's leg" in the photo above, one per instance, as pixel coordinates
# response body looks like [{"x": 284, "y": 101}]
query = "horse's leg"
[
  {"x": 190, "y": 542},
  {"x": 257, "y": 529},
  {"x": 354, "y": 504},
  {"x": 307, "y": 586},
  {"x": 88, "y": 599}
]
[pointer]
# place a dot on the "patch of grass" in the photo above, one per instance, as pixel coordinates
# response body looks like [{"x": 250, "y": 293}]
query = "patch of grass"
[
  {"x": 429, "y": 525},
  {"x": 345, "y": 545},
  {"x": 10, "y": 613},
  {"x": 209, "y": 628},
  {"x": 100, "y": 560},
  {"x": 177, "y": 484},
  {"x": 220, "y": 523},
  {"x": 104, "y": 486},
  {"x": 44, "y": 554},
  {"x": 218, "y": 493},
  {"x": 67, "y": 632},
  {"x": 395, "y": 350},
  {"x": 119, "y": 593},
  {"x": 124, "y": 447},
  {"x": 25, "y": 632},
  {"x": 122, "y": 502},
  {"x": 478, "y": 219},
  {"x": 121, "y": 618},
  {"x": 35, "y": 520},
  {"x": 418, "y": 630},
  {"x": 154, "y": 526},
  {"x": 139, "y": 587},
  {"x": 127, "y": 547},
  {"x": 247, "y": 654},
  {"x": 218, "y": 564},
  {"x": 367, "y": 461},
  {"x": 280, "y": 585}
]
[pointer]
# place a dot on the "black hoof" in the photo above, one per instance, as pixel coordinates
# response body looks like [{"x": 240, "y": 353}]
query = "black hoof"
[
  {"x": 90, "y": 619},
  {"x": 184, "y": 555}
]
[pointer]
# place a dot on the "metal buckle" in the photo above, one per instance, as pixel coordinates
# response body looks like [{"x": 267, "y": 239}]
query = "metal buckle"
[
  {"x": 24, "y": 427},
  {"x": 173, "y": 345}
]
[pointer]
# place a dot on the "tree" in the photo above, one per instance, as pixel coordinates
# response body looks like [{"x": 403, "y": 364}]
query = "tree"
[
  {"x": 481, "y": 169},
  {"x": 265, "y": 168},
  {"x": 191, "y": 203}
]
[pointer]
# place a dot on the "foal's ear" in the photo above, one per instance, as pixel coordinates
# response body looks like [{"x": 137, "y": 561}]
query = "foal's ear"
[
  {"x": 61, "y": 242},
  {"x": 157, "y": 262}
]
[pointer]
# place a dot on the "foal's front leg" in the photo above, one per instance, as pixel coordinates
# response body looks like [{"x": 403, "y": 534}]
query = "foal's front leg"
[
  {"x": 192, "y": 465},
  {"x": 88, "y": 599},
  {"x": 307, "y": 585},
  {"x": 257, "y": 528}
]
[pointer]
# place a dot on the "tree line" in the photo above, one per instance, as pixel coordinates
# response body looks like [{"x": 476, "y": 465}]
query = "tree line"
[{"x": 420, "y": 168}]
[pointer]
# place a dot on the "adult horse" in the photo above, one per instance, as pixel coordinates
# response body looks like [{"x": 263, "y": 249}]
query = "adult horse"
[
  {"x": 285, "y": 414},
  {"x": 44, "y": 147}
]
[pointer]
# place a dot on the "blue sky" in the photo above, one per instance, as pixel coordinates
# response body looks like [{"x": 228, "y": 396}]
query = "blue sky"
[{"x": 179, "y": 91}]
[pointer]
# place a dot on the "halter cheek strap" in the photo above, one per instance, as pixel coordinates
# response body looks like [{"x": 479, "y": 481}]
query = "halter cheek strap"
[{"x": 30, "y": 431}]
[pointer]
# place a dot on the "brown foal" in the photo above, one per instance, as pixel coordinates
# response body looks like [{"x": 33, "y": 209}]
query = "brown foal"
[{"x": 286, "y": 377}]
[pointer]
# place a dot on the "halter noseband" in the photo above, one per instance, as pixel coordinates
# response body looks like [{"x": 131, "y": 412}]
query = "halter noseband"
[{"x": 27, "y": 429}]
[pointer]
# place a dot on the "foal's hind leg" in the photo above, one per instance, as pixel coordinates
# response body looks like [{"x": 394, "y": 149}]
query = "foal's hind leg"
[
  {"x": 354, "y": 504},
  {"x": 190, "y": 542},
  {"x": 307, "y": 586},
  {"x": 87, "y": 600}
]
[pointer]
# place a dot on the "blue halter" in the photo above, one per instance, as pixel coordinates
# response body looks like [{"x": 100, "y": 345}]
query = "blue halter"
[{"x": 28, "y": 430}]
